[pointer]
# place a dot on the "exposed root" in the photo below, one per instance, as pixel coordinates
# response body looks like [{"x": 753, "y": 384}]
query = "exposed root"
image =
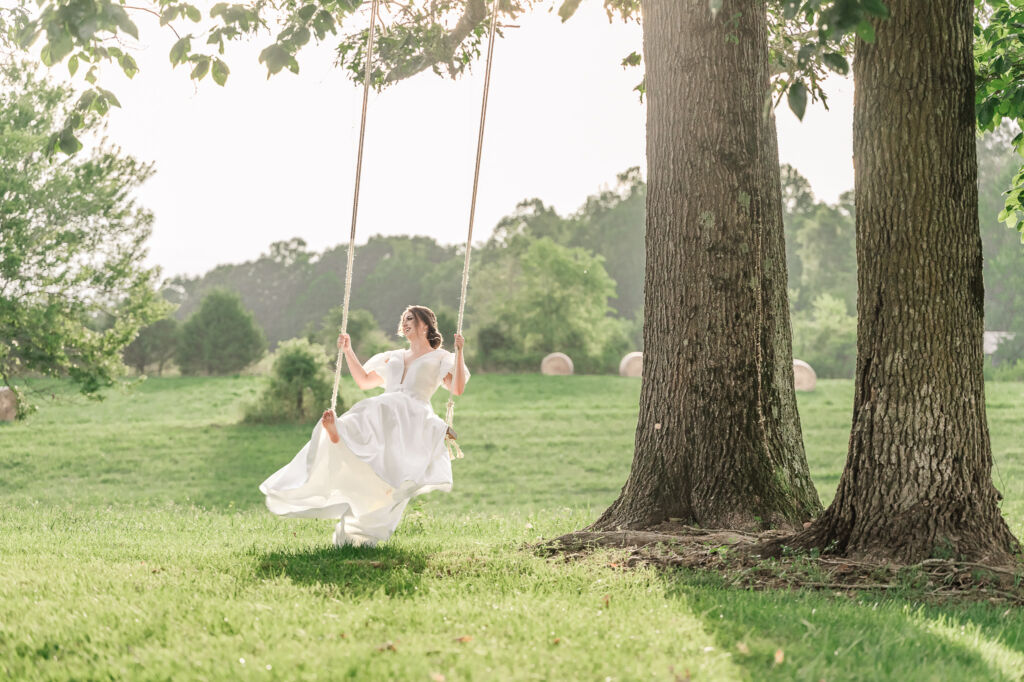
[{"x": 733, "y": 555}]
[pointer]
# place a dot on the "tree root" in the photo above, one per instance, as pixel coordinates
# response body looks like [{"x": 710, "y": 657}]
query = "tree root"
[{"x": 733, "y": 555}]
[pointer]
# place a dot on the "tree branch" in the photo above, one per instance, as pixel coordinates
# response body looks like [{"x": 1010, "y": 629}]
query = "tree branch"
[{"x": 474, "y": 15}]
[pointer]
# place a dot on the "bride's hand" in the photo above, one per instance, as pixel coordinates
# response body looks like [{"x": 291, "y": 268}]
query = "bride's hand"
[
  {"x": 460, "y": 341},
  {"x": 344, "y": 341},
  {"x": 328, "y": 418}
]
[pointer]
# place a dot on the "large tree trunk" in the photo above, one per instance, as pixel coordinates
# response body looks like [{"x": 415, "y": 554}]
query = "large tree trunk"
[
  {"x": 718, "y": 441},
  {"x": 917, "y": 481}
]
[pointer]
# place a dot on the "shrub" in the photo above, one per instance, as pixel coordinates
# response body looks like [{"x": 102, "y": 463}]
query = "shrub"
[
  {"x": 220, "y": 338},
  {"x": 826, "y": 337},
  {"x": 299, "y": 387}
]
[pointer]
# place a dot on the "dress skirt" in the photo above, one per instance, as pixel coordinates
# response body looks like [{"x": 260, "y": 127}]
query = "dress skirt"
[{"x": 391, "y": 450}]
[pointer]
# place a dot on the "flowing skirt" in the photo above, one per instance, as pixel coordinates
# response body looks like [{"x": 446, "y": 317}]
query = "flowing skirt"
[{"x": 391, "y": 450}]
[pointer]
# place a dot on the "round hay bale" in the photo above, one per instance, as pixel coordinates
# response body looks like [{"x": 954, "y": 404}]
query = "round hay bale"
[
  {"x": 804, "y": 378},
  {"x": 557, "y": 364},
  {"x": 8, "y": 405},
  {"x": 632, "y": 365}
]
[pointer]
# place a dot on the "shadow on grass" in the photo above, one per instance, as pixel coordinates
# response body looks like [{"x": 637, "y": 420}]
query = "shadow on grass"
[
  {"x": 355, "y": 571},
  {"x": 859, "y": 634}
]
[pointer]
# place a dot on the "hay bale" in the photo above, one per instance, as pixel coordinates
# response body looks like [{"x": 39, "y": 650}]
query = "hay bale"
[
  {"x": 8, "y": 405},
  {"x": 557, "y": 364},
  {"x": 632, "y": 365},
  {"x": 804, "y": 378}
]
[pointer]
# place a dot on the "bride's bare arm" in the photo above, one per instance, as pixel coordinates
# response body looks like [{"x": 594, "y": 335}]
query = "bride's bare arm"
[{"x": 364, "y": 380}]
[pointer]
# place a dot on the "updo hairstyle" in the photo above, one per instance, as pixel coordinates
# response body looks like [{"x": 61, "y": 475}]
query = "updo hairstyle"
[{"x": 427, "y": 317}]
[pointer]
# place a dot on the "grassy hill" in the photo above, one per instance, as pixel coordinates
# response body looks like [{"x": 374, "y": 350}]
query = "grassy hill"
[{"x": 134, "y": 545}]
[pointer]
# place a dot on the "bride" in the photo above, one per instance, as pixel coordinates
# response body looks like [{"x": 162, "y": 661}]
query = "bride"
[{"x": 364, "y": 466}]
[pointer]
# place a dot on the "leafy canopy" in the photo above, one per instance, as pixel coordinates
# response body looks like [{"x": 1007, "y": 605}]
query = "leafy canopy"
[{"x": 809, "y": 37}]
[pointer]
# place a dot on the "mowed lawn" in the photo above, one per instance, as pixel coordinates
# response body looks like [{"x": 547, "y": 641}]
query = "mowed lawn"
[{"x": 134, "y": 546}]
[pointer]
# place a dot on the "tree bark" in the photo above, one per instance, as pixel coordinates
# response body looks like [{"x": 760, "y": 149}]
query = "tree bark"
[
  {"x": 718, "y": 441},
  {"x": 917, "y": 481}
]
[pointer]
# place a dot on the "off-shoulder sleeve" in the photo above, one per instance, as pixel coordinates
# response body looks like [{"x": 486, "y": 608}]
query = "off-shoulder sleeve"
[
  {"x": 448, "y": 365},
  {"x": 376, "y": 363}
]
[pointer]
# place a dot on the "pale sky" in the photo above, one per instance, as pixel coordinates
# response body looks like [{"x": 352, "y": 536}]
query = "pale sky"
[{"x": 263, "y": 160}]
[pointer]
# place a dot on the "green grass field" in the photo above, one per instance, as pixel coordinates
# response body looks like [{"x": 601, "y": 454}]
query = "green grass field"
[{"x": 134, "y": 545}]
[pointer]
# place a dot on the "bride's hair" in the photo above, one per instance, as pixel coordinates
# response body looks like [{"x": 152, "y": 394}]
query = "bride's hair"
[{"x": 427, "y": 317}]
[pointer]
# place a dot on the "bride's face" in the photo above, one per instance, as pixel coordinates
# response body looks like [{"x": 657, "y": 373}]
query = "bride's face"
[{"x": 412, "y": 327}]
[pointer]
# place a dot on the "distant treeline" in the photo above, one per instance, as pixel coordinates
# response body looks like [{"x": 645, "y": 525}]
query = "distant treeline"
[{"x": 545, "y": 282}]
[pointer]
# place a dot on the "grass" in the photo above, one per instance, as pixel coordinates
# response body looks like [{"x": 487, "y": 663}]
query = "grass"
[{"x": 134, "y": 545}]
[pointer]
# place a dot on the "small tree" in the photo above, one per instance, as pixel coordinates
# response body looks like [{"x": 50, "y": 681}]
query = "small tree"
[
  {"x": 74, "y": 290},
  {"x": 155, "y": 344},
  {"x": 220, "y": 338},
  {"x": 300, "y": 386}
]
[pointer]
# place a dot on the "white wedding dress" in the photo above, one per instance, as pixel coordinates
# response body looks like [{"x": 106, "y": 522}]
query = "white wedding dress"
[{"x": 391, "y": 449}]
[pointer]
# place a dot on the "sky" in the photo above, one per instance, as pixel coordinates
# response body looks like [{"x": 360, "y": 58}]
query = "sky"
[{"x": 259, "y": 161}]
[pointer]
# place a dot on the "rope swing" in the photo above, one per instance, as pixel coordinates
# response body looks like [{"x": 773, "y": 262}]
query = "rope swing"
[
  {"x": 367, "y": 74},
  {"x": 454, "y": 451}
]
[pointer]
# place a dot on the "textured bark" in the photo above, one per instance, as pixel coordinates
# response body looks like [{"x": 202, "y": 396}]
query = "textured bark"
[
  {"x": 917, "y": 481},
  {"x": 718, "y": 441}
]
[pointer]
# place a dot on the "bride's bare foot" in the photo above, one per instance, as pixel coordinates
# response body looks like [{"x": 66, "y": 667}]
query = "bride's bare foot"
[{"x": 330, "y": 427}]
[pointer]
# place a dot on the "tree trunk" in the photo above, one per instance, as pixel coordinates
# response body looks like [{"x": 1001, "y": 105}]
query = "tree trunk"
[
  {"x": 718, "y": 441},
  {"x": 917, "y": 482}
]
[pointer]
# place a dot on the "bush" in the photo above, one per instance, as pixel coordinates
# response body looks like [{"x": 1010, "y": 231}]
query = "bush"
[
  {"x": 220, "y": 338},
  {"x": 299, "y": 388},
  {"x": 826, "y": 337},
  {"x": 155, "y": 344}
]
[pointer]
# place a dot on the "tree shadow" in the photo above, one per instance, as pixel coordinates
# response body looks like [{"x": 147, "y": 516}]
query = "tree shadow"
[
  {"x": 352, "y": 571},
  {"x": 862, "y": 634}
]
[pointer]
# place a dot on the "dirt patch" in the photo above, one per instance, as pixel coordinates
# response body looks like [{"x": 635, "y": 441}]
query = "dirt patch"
[{"x": 740, "y": 559}]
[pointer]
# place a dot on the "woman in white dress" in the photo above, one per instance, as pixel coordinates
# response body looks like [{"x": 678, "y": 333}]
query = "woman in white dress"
[{"x": 364, "y": 466}]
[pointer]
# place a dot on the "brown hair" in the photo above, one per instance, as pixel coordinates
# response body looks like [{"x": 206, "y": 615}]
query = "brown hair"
[{"x": 427, "y": 317}]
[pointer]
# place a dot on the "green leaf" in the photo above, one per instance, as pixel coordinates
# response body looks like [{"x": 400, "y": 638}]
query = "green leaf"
[
  {"x": 866, "y": 31},
  {"x": 632, "y": 59},
  {"x": 220, "y": 72},
  {"x": 836, "y": 62},
  {"x": 201, "y": 68},
  {"x": 129, "y": 66},
  {"x": 120, "y": 17},
  {"x": 797, "y": 99},
  {"x": 805, "y": 54},
  {"x": 275, "y": 57},
  {"x": 67, "y": 142},
  {"x": 193, "y": 13},
  {"x": 109, "y": 96},
  {"x": 73, "y": 65},
  {"x": 180, "y": 50},
  {"x": 876, "y": 8},
  {"x": 306, "y": 12},
  {"x": 568, "y": 9}
]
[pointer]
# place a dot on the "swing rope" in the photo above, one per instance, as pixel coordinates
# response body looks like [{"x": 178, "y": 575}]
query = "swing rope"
[
  {"x": 367, "y": 77},
  {"x": 454, "y": 451}
]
